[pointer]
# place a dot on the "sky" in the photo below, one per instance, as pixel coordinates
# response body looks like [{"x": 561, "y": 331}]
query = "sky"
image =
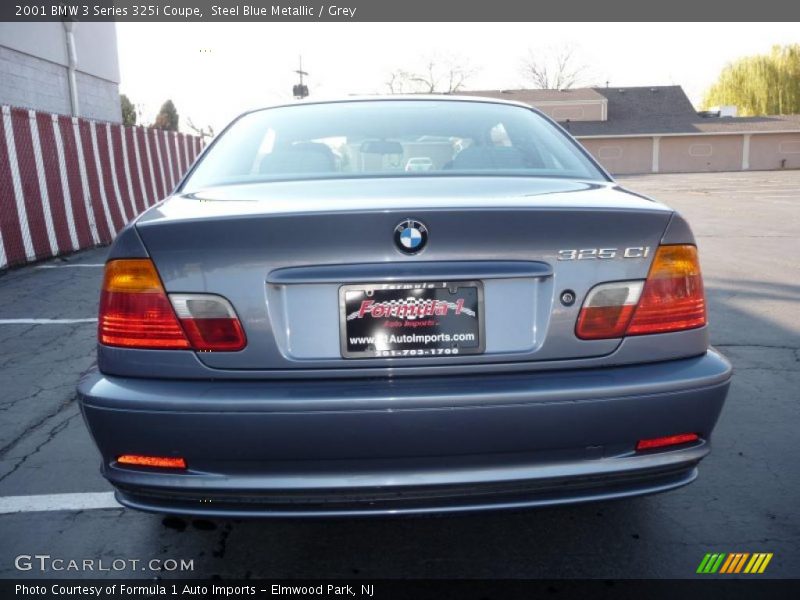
[{"x": 215, "y": 71}]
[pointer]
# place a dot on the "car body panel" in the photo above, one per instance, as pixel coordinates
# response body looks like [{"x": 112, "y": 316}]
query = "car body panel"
[{"x": 292, "y": 425}]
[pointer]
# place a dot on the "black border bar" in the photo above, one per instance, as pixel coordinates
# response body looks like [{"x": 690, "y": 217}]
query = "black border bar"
[
  {"x": 399, "y": 10},
  {"x": 733, "y": 588}
]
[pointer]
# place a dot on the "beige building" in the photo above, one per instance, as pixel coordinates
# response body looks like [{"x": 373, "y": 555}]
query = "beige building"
[{"x": 657, "y": 130}]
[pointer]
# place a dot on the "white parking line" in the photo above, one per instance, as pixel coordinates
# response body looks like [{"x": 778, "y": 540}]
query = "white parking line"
[
  {"x": 45, "y": 321},
  {"x": 49, "y": 502},
  {"x": 78, "y": 265}
]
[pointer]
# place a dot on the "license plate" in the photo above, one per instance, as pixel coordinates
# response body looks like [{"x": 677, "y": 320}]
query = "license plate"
[{"x": 406, "y": 320}]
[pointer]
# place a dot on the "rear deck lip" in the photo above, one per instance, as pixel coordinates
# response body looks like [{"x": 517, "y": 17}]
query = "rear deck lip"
[{"x": 464, "y": 193}]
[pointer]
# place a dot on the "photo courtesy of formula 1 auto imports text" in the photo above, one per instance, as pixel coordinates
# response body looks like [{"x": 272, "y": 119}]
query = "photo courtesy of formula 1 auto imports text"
[{"x": 399, "y": 300}]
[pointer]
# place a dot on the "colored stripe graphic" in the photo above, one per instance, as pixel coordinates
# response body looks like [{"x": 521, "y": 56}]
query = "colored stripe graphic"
[
  {"x": 734, "y": 562},
  {"x": 764, "y": 564},
  {"x": 758, "y": 563},
  {"x": 68, "y": 183},
  {"x": 727, "y": 564},
  {"x": 711, "y": 563}
]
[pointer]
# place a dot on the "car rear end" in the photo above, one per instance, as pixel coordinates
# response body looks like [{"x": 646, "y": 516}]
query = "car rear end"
[{"x": 401, "y": 342}]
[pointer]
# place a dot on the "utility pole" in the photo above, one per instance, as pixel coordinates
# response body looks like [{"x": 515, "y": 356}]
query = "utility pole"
[{"x": 300, "y": 90}]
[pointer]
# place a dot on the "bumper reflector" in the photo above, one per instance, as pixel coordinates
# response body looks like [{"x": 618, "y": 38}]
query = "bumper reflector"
[
  {"x": 670, "y": 440},
  {"x": 162, "y": 462}
]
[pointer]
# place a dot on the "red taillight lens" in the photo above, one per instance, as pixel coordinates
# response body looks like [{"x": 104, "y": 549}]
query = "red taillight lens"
[
  {"x": 673, "y": 298},
  {"x": 134, "y": 310},
  {"x": 209, "y": 335},
  {"x": 607, "y": 310},
  {"x": 210, "y": 322},
  {"x": 162, "y": 462},
  {"x": 670, "y": 440}
]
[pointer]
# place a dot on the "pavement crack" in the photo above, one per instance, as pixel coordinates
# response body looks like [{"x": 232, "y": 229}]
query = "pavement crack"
[
  {"x": 36, "y": 425},
  {"x": 222, "y": 543},
  {"x": 51, "y": 435}
]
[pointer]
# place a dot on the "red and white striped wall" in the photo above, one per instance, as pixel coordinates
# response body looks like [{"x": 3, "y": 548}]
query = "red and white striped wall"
[{"x": 68, "y": 183}]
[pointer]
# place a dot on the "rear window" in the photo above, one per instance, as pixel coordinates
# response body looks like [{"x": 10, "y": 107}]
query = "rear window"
[{"x": 407, "y": 138}]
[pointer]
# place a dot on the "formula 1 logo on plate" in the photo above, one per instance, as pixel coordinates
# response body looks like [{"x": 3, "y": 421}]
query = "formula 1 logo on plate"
[{"x": 410, "y": 308}]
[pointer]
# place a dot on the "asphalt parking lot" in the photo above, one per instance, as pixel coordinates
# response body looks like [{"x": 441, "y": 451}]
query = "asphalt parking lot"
[{"x": 746, "y": 499}]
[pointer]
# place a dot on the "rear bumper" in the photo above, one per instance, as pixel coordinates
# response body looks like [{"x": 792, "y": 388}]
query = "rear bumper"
[{"x": 439, "y": 444}]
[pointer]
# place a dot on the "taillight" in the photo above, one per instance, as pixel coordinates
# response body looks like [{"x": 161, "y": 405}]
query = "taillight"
[
  {"x": 134, "y": 309},
  {"x": 670, "y": 299},
  {"x": 209, "y": 321},
  {"x": 608, "y": 309},
  {"x": 135, "y": 312},
  {"x": 673, "y": 297}
]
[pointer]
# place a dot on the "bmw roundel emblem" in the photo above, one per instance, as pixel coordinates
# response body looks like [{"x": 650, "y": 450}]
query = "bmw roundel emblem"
[{"x": 410, "y": 236}]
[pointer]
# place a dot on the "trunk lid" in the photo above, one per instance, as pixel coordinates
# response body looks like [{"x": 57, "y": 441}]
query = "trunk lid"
[{"x": 280, "y": 252}]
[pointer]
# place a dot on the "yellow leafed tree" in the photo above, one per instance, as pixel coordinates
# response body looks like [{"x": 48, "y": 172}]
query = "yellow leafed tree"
[{"x": 765, "y": 84}]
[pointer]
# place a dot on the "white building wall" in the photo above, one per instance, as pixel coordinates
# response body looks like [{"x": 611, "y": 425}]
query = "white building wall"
[
  {"x": 32, "y": 82},
  {"x": 34, "y": 68},
  {"x": 98, "y": 98}
]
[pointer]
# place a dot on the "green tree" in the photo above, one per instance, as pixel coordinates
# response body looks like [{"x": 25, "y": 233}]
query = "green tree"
[
  {"x": 765, "y": 84},
  {"x": 128, "y": 111},
  {"x": 167, "y": 117}
]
